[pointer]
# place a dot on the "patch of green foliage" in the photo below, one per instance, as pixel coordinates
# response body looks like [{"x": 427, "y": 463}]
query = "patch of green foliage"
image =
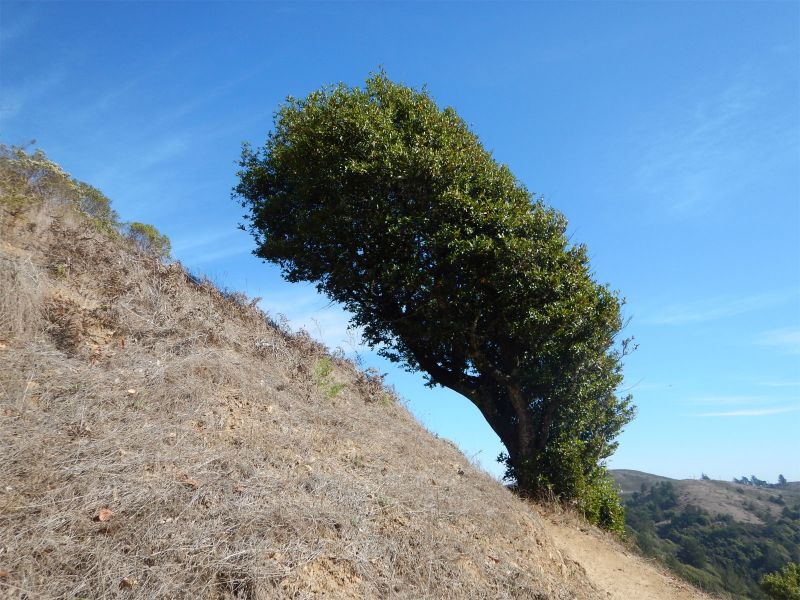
[
  {"x": 713, "y": 552},
  {"x": 451, "y": 267},
  {"x": 29, "y": 178},
  {"x": 148, "y": 238},
  {"x": 783, "y": 585},
  {"x": 323, "y": 369},
  {"x": 97, "y": 207},
  {"x": 600, "y": 504}
]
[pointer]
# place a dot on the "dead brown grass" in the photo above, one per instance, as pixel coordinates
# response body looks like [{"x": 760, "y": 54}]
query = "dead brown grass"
[{"x": 221, "y": 467}]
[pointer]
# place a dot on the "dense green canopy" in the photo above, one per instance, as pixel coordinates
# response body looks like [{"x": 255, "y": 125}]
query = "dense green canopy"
[{"x": 394, "y": 208}]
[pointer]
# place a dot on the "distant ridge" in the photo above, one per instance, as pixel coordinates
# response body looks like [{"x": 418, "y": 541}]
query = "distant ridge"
[{"x": 743, "y": 503}]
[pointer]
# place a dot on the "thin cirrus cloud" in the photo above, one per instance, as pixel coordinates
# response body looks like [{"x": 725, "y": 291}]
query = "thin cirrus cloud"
[
  {"x": 780, "y": 384},
  {"x": 203, "y": 258},
  {"x": 13, "y": 29},
  {"x": 787, "y": 339},
  {"x": 644, "y": 386},
  {"x": 126, "y": 169},
  {"x": 704, "y": 152},
  {"x": 305, "y": 309},
  {"x": 736, "y": 405},
  {"x": 718, "y": 308},
  {"x": 130, "y": 84},
  {"x": 19, "y": 95},
  {"x": 729, "y": 399},
  {"x": 751, "y": 412},
  {"x": 204, "y": 248}
]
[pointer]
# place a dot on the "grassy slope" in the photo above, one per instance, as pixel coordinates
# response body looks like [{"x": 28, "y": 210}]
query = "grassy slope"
[
  {"x": 161, "y": 438},
  {"x": 230, "y": 462}
]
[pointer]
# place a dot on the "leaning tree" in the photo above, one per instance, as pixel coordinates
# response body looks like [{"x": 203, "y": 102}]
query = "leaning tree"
[{"x": 450, "y": 266}]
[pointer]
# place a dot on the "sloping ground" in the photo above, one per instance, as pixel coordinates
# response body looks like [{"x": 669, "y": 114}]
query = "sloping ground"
[
  {"x": 162, "y": 439},
  {"x": 623, "y": 575},
  {"x": 742, "y": 502}
]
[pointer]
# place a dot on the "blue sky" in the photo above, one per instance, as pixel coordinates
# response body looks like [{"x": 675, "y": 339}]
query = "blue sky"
[{"x": 668, "y": 133}]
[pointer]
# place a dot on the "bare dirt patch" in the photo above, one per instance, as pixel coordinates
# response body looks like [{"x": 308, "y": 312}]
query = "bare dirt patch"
[{"x": 617, "y": 572}]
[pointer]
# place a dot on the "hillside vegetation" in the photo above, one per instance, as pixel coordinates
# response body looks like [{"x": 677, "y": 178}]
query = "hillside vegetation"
[
  {"x": 163, "y": 438},
  {"x": 721, "y": 536},
  {"x": 743, "y": 503}
]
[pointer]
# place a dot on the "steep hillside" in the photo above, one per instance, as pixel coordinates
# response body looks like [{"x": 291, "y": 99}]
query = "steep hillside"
[{"x": 164, "y": 439}]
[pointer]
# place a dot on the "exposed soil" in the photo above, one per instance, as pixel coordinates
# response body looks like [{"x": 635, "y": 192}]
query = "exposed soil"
[{"x": 620, "y": 574}]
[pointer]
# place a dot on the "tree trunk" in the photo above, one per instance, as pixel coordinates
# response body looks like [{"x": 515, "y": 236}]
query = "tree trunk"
[{"x": 505, "y": 408}]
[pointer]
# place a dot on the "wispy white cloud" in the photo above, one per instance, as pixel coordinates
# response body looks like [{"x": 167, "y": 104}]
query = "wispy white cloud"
[
  {"x": 17, "y": 27},
  {"x": 209, "y": 97},
  {"x": 163, "y": 150},
  {"x": 143, "y": 77},
  {"x": 203, "y": 258},
  {"x": 751, "y": 412},
  {"x": 186, "y": 243},
  {"x": 743, "y": 405},
  {"x": 718, "y": 308},
  {"x": 729, "y": 399},
  {"x": 644, "y": 386},
  {"x": 15, "y": 97},
  {"x": 306, "y": 309},
  {"x": 780, "y": 384},
  {"x": 709, "y": 147},
  {"x": 145, "y": 167},
  {"x": 787, "y": 339},
  {"x": 209, "y": 246}
]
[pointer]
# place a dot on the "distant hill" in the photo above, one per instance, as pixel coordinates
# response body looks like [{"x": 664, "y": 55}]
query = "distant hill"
[
  {"x": 721, "y": 536},
  {"x": 744, "y": 503}
]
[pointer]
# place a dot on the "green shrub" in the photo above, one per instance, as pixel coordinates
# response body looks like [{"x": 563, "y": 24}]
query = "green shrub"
[
  {"x": 589, "y": 485},
  {"x": 323, "y": 369},
  {"x": 96, "y": 205},
  {"x": 148, "y": 239},
  {"x": 783, "y": 585},
  {"x": 26, "y": 179},
  {"x": 601, "y": 504},
  {"x": 692, "y": 553}
]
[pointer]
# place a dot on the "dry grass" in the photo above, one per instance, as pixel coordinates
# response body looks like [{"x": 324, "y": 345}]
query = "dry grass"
[{"x": 228, "y": 468}]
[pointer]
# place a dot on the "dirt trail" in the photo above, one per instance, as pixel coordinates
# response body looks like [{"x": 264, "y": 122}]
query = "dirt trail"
[{"x": 622, "y": 575}]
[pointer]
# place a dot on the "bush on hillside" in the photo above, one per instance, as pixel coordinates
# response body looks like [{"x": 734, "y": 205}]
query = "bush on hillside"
[
  {"x": 28, "y": 178},
  {"x": 784, "y": 585},
  {"x": 148, "y": 239},
  {"x": 96, "y": 205}
]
